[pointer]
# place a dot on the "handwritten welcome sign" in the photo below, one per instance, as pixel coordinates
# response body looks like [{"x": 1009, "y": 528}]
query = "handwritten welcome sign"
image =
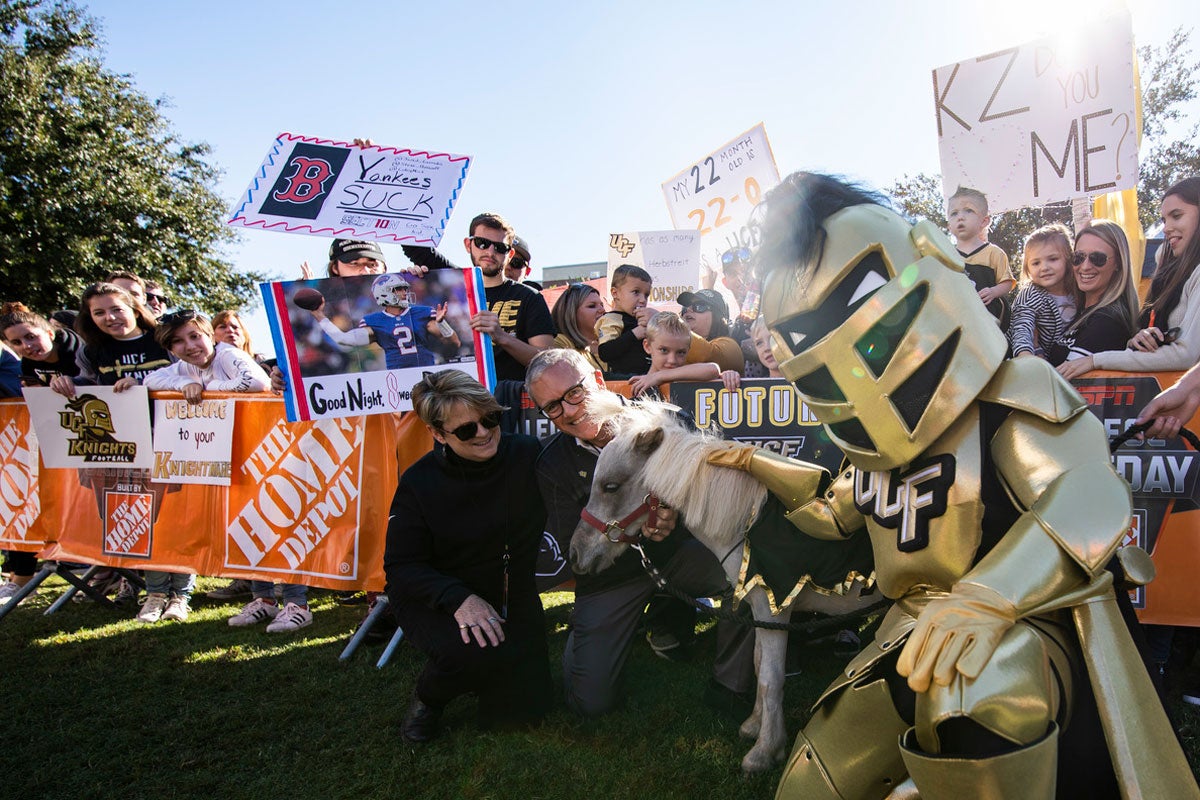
[
  {"x": 1044, "y": 121},
  {"x": 327, "y": 188},
  {"x": 193, "y": 442},
  {"x": 716, "y": 194}
]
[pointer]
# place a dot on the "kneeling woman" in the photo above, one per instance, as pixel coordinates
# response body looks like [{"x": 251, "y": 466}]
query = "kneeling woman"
[{"x": 465, "y": 529}]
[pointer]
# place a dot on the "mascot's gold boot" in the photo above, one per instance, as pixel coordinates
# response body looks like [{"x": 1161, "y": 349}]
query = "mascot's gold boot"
[
  {"x": 986, "y": 489},
  {"x": 1028, "y": 772}
]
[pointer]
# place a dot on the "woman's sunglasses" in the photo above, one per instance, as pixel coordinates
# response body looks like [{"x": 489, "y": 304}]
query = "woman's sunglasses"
[
  {"x": 1098, "y": 259},
  {"x": 466, "y": 431},
  {"x": 699, "y": 308}
]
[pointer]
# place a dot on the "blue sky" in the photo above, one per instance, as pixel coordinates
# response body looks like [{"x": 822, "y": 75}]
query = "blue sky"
[{"x": 574, "y": 113}]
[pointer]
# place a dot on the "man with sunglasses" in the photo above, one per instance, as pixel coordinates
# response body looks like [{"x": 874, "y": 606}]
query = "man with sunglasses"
[
  {"x": 517, "y": 317},
  {"x": 519, "y": 264},
  {"x": 156, "y": 299},
  {"x": 608, "y": 606}
]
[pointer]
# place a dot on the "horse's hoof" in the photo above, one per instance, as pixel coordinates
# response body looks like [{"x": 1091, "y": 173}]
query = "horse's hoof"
[
  {"x": 750, "y": 728},
  {"x": 754, "y": 763}
]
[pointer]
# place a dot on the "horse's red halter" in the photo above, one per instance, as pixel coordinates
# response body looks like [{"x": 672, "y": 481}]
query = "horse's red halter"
[{"x": 649, "y": 503}]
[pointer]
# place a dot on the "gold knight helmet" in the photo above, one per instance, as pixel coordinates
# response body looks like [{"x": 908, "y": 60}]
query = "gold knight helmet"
[
  {"x": 873, "y": 320},
  {"x": 94, "y": 416}
]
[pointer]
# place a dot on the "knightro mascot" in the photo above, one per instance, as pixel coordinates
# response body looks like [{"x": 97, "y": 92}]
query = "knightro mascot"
[{"x": 986, "y": 489}]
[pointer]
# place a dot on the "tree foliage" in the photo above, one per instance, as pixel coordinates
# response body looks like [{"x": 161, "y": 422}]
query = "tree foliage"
[
  {"x": 92, "y": 179},
  {"x": 1169, "y": 77},
  {"x": 1169, "y": 82}
]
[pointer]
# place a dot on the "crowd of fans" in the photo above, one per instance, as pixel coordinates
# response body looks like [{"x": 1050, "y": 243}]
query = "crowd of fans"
[{"x": 461, "y": 584}]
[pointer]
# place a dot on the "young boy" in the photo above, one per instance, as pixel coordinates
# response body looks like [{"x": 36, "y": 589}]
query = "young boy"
[
  {"x": 987, "y": 264},
  {"x": 620, "y": 332},
  {"x": 667, "y": 342}
]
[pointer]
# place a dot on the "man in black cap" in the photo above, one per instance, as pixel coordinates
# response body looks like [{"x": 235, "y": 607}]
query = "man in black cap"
[
  {"x": 519, "y": 263},
  {"x": 350, "y": 257}
]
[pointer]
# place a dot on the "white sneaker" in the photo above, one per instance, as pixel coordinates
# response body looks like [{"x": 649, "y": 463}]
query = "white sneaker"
[
  {"x": 292, "y": 618},
  {"x": 8, "y": 590},
  {"x": 152, "y": 609},
  {"x": 254, "y": 612},
  {"x": 177, "y": 609}
]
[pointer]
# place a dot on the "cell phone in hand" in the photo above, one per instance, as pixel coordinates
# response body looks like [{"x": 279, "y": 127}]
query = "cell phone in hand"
[{"x": 1169, "y": 335}]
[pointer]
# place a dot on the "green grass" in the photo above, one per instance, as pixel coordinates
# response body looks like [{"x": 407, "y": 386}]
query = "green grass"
[{"x": 102, "y": 706}]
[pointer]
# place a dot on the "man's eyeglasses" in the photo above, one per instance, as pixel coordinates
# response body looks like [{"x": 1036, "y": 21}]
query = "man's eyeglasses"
[
  {"x": 178, "y": 317},
  {"x": 698, "y": 308},
  {"x": 466, "y": 431},
  {"x": 162, "y": 298},
  {"x": 741, "y": 254},
  {"x": 1098, "y": 259},
  {"x": 574, "y": 396},
  {"x": 485, "y": 244}
]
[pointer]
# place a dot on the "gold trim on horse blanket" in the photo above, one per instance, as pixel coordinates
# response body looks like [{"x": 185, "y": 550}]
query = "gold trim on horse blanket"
[{"x": 783, "y": 560}]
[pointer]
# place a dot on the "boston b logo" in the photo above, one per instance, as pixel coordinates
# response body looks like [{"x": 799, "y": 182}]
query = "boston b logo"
[{"x": 305, "y": 181}]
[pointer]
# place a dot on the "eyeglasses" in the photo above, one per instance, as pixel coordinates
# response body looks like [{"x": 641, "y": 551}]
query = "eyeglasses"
[
  {"x": 466, "y": 431},
  {"x": 699, "y": 307},
  {"x": 162, "y": 298},
  {"x": 1098, "y": 259},
  {"x": 730, "y": 256},
  {"x": 176, "y": 317},
  {"x": 518, "y": 263},
  {"x": 573, "y": 396},
  {"x": 485, "y": 244}
]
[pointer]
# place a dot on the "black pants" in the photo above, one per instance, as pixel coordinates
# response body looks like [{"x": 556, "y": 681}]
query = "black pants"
[
  {"x": 20, "y": 563},
  {"x": 512, "y": 680}
]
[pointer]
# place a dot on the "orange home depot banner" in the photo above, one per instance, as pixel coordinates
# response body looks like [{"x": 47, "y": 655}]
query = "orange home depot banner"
[
  {"x": 307, "y": 503},
  {"x": 20, "y": 503}
]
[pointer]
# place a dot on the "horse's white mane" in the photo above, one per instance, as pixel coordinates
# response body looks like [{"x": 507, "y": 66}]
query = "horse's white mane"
[{"x": 716, "y": 502}]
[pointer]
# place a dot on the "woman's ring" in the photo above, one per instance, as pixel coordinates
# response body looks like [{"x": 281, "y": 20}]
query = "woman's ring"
[{"x": 463, "y": 627}]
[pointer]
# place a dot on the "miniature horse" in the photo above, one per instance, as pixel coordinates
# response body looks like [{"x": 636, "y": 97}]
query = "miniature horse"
[{"x": 655, "y": 453}]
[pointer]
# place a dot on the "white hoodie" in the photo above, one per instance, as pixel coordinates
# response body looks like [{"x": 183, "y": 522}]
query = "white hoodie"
[{"x": 231, "y": 370}]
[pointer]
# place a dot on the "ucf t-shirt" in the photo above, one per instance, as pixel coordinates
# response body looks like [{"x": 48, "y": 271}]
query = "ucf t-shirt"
[{"x": 522, "y": 312}]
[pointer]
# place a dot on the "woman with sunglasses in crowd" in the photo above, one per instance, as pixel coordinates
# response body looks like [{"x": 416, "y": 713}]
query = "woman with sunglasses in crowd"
[
  {"x": 575, "y": 315},
  {"x": 707, "y": 316},
  {"x": 465, "y": 527},
  {"x": 1105, "y": 296},
  {"x": 1169, "y": 335}
]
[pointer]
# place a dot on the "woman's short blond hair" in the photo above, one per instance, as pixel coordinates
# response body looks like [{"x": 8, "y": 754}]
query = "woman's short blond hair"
[{"x": 437, "y": 393}]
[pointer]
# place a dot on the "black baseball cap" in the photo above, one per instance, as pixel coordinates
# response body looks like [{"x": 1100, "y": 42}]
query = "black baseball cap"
[
  {"x": 710, "y": 296},
  {"x": 522, "y": 248},
  {"x": 350, "y": 250}
]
